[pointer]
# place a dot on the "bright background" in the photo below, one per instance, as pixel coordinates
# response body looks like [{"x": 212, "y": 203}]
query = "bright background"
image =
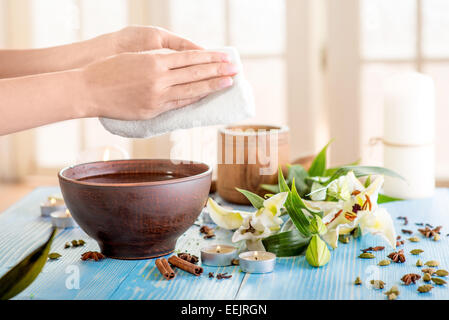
[{"x": 317, "y": 66}]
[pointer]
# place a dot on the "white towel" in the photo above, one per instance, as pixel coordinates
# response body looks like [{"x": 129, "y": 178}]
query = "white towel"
[{"x": 228, "y": 106}]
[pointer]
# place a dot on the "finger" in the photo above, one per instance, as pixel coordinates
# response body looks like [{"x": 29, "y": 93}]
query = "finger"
[
  {"x": 175, "y": 42},
  {"x": 182, "y": 59},
  {"x": 200, "y": 88},
  {"x": 201, "y": 72},
  {"x": 175, "y": 104}
]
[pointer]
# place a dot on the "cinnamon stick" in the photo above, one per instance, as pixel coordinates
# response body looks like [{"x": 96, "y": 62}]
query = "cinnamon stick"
[
  {"x": 185, "y": 265},
  {"x": 165, "y": 269}
]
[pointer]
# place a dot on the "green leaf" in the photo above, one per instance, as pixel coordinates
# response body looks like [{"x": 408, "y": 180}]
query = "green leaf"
[
  {"x": 367, "y": 181},
  {"x": 299, "y": 203},
  {"x": 283, "y": 186},
  {"x": 318, "y": 166},
  {"x": 299, "y": 174},
  {"x": 286, "y": 244},
  {"x": 298, "y": 218},
  {"x": 382, "y": 198},
  {"x": 329, "y": 172},
  {"x": 273, "y": 188},
  {"x": 361, "y": 171},
  {"x": 256, "y": 200},
  {"x": 24, "y": 273}
]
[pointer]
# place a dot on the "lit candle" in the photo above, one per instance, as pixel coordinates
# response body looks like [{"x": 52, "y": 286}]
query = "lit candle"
[
  {"x": 53, "y": 203},
  {"x": 257, "y": 261},
  {"x": 218, "y": 255},
  {"x": 409, "y": 132},
  {"x": 62, "y": 219}
]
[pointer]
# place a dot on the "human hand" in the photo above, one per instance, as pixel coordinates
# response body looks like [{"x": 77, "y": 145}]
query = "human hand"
[
  {"x": 138, "y": 86},
  {"x": 138, "y": 39}
]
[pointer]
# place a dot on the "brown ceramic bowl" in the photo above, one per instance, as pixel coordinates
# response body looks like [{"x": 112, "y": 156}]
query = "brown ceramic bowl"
[{"x": 129, "y": 218}]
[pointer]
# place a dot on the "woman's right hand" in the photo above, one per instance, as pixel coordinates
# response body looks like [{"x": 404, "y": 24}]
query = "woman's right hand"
[{"x": 139, "y": 86}]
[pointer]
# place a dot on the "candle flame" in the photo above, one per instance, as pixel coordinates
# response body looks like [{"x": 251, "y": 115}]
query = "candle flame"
[
  {"x": 52, "y": 200},
  {"x": 218, "y": 249},
  {"x": 106, "y": 155},
  {"x": 67, "y": 213},
  {"x": 255, "y": 255}
]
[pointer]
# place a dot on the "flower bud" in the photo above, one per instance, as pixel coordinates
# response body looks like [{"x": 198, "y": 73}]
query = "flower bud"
[
  {"x": 317, "y": 253},
  {"x": 317, "y": 226}
]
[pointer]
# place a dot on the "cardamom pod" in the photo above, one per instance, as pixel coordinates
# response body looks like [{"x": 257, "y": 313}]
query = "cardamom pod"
[
  {"x": 436, "y": 237},
  {"x": 431, "y": 271},
  {"x": 442, "y": 273},
  {"x": 393, "y": 290},
  {"x": 392, "y": 296},
  {"x": 419, "y": 263},
  {"x": 416, "y": 251},
  {"x": 75, "y": 243},
  {"x": 81, "y": 242},
  {"x": 414, "y": 239},
  {"x": 432, "y": 263},
  {"x": 384, "y": 262},
  {"x": 67, "y": 245},
  {"x": 367, "y": 255},
  {"x": 378, "y": 284},
  {"x": 343, "y": 238},
  {"x": 23, "y": 274},
  {"x": 358, "y": 281},
  {"x": 54, "y": 256},
  {"x": 427, "y": 277},
  {"x": 425, "y": 288},
  {"x": 438, "y": 281}
]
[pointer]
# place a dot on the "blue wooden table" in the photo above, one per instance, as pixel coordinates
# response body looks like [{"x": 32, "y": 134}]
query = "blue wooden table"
[{"x": 22, "y": 229}]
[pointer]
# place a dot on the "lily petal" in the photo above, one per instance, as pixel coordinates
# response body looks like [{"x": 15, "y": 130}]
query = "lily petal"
[
  {"x": 379, "y": 222},
  {"x": 225, "y": 218},
  {"x": 275, "y": 203}
]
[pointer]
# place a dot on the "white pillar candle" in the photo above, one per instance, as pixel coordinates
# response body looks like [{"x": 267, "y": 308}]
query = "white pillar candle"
[{"x": 409, "y": 132}]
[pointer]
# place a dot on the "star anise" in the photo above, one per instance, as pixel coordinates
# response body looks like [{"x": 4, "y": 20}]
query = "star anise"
[
  {"x": 397, "y": 257},
  {"x": 410, "y": 277},
  {"x": 208, "y": 231},
  {"x": 92, "y": 255},
  {"x": 211, "y": 274},
  {"x": 188, "y": 257},
  {"x": 429, "y": 233}
]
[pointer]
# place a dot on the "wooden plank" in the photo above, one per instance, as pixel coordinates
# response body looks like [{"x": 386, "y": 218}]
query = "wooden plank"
[{"x": 293, "y": 278}]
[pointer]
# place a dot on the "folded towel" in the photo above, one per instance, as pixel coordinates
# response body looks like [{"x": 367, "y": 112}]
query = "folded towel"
[{"x": 233, "y": 104}]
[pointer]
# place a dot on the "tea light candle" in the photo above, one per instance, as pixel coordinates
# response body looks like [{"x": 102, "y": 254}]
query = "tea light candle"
[
  {"x": 62, "y": 219},
  {"x": 257, "y": 261},
  {"x": 52, "y": 204},
  {"x": 218, "y": 255}
]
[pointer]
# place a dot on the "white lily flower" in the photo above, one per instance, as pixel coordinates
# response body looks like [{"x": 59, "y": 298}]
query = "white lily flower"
[
  {"x": 360, "y": 209},
  {"x": 343, "y": 187},
  {"x": 252, "y": 226}
]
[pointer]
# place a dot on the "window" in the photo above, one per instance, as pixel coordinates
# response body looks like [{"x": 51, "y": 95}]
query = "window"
[
  {"x": 261, "y": 43},
  {"x": 386, "y": 37}
]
